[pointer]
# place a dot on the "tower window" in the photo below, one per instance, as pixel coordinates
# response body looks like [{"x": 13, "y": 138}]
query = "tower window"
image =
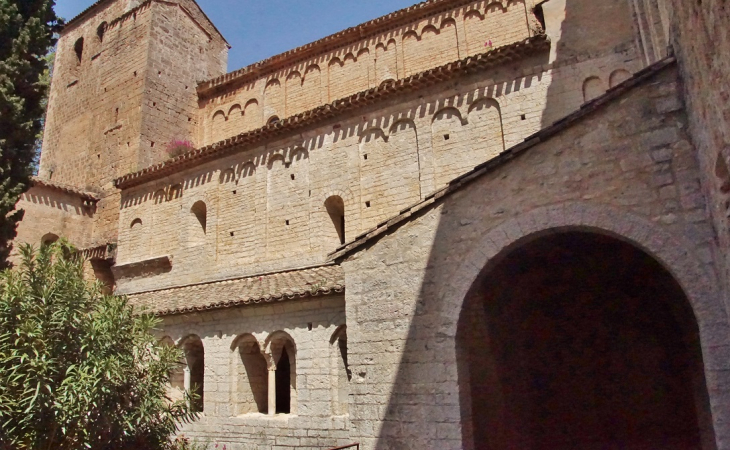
[
  {"x": 79, "y": 49},
  {"x": 100, "y": 31}
]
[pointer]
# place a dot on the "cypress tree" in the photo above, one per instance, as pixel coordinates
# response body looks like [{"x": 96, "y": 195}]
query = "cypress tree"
[{"x": 27, "y": 30}]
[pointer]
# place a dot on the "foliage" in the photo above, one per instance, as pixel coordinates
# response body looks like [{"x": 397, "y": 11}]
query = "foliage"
[
  {"x": 178, "y": 147},
  {"x": 80, "y": 369},
  {"x": 26, "y": 32},
  {"x": 184, "y": 443}
]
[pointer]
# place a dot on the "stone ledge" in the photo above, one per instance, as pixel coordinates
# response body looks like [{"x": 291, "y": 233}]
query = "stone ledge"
[{"x": 142, "y": 269}]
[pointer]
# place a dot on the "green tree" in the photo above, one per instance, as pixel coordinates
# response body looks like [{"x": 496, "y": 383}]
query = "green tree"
[
  {"x": 80, "y": 369},
  {"x": 27, "y": 30}
]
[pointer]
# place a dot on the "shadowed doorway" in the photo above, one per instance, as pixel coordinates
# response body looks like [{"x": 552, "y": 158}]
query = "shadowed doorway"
[{"x": 581, "y": 341}]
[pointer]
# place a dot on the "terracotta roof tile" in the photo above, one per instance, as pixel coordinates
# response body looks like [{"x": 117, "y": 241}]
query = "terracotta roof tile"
[
  {"x": 461, "y": 181},
  {"x": 85, "y": 195},
  {"x": 366, "y": 98},
  {"x": 275, "y": 287},
  {"x": 331, "y": 42}
]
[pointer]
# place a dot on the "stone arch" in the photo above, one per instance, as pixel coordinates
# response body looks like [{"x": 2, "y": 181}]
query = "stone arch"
[
  {"x": 234, "y": 121},
  {"x": 218, "y": 126},
  {"x": 282, "y": 352},
  {"x": 236, "y": 108},
  {"x": 448, "y": 111},
  {"x": 159, "y": 197},
  {"x": 177, "y": 375},
  {"x": 247, "y": 169},
  {"x": 477, "y": 34},
  {"x": 386, "y": 62},
  {"x": 175, "y": 192},
  {"x": 445, "y": 46},
  {"x": 386, "y": 82},
  {"x": 194, "y": 370},
  {"x": 673, "y": 252},
  {"x": 335, "y": 207},
  {"x": 227, "y": 176},
  {"x": 251, "y": 115},
  {"x": 79, "y": 50},
  {"x": 486, "y": 128},
  {"x": 100, "y": 30},
  {"x": 49, "y": 238},
  {"x": 340, "y": 372},
  {"x": 274, "y": 99},
  {"x": 312, "y": 87},
  {"x": 618, "y": 76},
  {"x": 295, "y": 96},
  {"x": 250, "y": 390},
  {"x": 335, "y": 88},
  {"x": 452, "y": 153},
  {"x": 198, "y": 223},
  {"x": 390, "y": 172},
  {"x": 592, "y": 88}
]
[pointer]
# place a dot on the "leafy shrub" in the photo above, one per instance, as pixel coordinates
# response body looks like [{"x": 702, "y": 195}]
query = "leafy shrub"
[{"x": 80, "y": 369}]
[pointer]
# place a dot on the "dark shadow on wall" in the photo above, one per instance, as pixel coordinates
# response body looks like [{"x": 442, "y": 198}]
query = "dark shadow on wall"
[{"x": 576, "y": 340}]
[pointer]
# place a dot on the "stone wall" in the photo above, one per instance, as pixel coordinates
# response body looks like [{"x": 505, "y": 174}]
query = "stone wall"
[
  {"x": 427, "y": 42},
  {"x": 627, "y": 170},
  {"x": 701, "y": 38},
  {"x": 313, "y": 326},
  {"x": 52, "y": 213},
  {"x": 265, "y": 205},
  {"x": 113, "y": 108}
]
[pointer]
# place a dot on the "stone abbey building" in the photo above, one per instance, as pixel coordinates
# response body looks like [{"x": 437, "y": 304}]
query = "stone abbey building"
[{"x": 477, "y": 224}]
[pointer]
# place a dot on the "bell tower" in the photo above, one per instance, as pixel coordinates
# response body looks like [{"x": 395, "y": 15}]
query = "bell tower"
[{"x": 124, "y": 85}]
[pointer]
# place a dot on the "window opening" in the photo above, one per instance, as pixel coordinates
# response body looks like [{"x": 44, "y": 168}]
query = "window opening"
[
  {"x": 283, "y": 383},
  {"x": 79, "y": 49}
]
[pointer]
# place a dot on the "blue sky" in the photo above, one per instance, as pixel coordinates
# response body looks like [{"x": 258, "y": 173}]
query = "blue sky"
[{"x": 257, "y": 29}]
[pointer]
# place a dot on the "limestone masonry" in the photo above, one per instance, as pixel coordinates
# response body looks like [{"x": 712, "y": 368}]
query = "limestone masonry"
[{"x": 464, "y": 225}]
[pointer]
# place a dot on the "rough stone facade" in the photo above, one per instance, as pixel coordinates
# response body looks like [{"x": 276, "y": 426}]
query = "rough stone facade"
[{"x": 466, "y": 224}]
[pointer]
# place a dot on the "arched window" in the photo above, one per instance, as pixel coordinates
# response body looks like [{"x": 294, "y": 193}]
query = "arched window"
[
  {"x": 251, "y": 390},
  {"x": 79, "y": 49},
  {"x": 194, "y": 371},
  {"x": 336, "y": 210},
  {"x": 136, "y": 223},
  {"x": 49, "y": 239},
  {"x": 198, "y": 223},
  {"x": 177, "y": 375},
  {"x": 283, "y": 383},
  {"x": 282, "y": 351},
  {"x": 272, "y": 119},
  {"x": 340, "y": 371},
  {"x": 100, "y": 30}
]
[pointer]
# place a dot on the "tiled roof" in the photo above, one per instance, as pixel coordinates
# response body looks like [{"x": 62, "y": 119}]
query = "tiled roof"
[
  {"x": 275, "y": 287},
  {"x": 331, "y": 42},
  {"x": 456, "y": 184},
  {"x": 85, "y": 195},
  {"x": 421, "y": 80}
]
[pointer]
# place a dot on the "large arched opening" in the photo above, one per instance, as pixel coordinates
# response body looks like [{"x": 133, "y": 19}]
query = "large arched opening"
[{"x": 580, "y": 340}]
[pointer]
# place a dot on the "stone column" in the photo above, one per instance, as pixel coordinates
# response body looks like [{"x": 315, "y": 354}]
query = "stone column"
[
  {"x": 186, "y": 382},
  {"x": 272, "y": 390}
]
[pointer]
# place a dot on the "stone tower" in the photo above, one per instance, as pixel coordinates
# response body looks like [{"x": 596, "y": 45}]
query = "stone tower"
[{"x": 123, "y": 87}]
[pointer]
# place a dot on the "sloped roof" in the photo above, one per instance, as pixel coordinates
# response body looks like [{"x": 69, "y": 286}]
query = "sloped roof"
[
  {"x": 456, "y": 184},
  {"x": 469, "y": 65},
  {"x": 331, "y": 42},
  {"x": 269, "y": 288},
  {"x": 84, "y": 195}
]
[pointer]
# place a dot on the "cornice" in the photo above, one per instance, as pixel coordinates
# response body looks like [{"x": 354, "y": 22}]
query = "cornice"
[
  {"x": 332, "y": 42},
  {"x": 469, "y": 65}
]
